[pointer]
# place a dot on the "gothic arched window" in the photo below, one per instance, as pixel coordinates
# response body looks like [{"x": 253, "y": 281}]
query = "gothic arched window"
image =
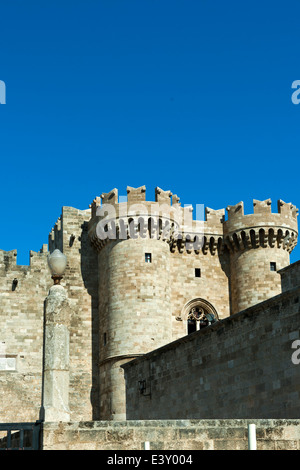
[{"x": 199, "y": 314}]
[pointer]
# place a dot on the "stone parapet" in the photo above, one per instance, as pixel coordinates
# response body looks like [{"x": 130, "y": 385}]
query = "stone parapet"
[
  {"x": 174, "y": 224},
  {"x": 173, "y": 435},
  {"x": 262, "y": 228}
]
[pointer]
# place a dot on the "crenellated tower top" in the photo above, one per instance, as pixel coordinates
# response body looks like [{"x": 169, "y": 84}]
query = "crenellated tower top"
[
  {"x": 263, "y": 227},
  {"x": 116, "y": 219},
  {"x": 166, "y": 219}
]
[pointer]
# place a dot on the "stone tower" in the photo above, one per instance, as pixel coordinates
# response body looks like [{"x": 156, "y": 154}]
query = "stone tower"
[
  {"x": 259, "y": 245},
  {"x": 134, "y": 285}
]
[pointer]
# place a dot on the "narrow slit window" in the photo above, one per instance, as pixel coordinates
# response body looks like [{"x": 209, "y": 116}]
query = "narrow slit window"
[
  {"x": 148, "y": 258},
  {"x": 197, "y": 272},
  {"x": 272, "y": 266},
  {"x": 104, "y": 339}
]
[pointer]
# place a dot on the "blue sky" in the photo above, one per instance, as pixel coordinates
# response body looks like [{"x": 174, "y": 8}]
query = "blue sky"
[{"x": 192, "y": 96}]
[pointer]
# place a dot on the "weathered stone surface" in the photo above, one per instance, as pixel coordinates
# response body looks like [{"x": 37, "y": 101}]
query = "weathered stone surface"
[
  {"x": 56, "y": 357},
  {"x": 57, "y": 306},
  {"x": 169, "y": 435}
]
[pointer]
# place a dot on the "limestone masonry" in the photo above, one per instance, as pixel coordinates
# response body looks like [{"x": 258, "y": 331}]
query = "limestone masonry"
[{"x": 142, "y": 275}]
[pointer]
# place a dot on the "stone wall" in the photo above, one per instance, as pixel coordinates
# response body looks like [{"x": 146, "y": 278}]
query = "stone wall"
[
  {"x": 21, "y": 334},
  {"x": 290, "y": 276},
  {"x": 239, "y": 367},
  {"x": 171, "y": 435}
]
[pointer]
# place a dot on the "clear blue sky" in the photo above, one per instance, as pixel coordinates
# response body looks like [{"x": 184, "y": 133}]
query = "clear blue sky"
[{"x": 192, "y": 96}]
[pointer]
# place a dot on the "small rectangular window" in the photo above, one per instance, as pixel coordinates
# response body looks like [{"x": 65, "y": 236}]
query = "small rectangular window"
[
  {"x": 197, "y": 272},
  {"x": 104, "y": 339},
  {"x": 148, "y": 258},
  {"x": 272, "y": 266}
]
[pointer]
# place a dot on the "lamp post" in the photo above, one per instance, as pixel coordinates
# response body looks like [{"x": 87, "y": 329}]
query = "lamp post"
[
  {"x": 56, "y": 347},
  {"x": 57, "y": 263}
]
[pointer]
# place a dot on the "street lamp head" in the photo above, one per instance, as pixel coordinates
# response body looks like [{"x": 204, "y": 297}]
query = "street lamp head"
[{"x": 57, "y": 263}]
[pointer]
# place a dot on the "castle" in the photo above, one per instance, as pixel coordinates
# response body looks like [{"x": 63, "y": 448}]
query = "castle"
[{"x": 140, "y": 275}]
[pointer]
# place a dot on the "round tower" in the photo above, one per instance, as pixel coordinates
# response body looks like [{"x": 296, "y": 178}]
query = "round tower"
[
  {"x": 260, "y": 245},
  {"x": 134, "y": 290}
]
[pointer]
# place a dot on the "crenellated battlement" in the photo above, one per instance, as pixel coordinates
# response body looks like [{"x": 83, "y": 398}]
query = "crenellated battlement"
[
  {"x": 262, "y": 228},
  {"x": 262, "y": 215},
  {"x": 8, "y": 259},
  {"x": 62, "y": 235},
  {"x": 55, "y": 236},
  {"x": 15, "y": 279},
  {"x": 135, "y": 217},
  {"x": 165, "y": 219}
]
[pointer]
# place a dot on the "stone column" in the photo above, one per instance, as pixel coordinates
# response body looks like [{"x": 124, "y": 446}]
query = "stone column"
[{"x": 56, "y": 356}]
